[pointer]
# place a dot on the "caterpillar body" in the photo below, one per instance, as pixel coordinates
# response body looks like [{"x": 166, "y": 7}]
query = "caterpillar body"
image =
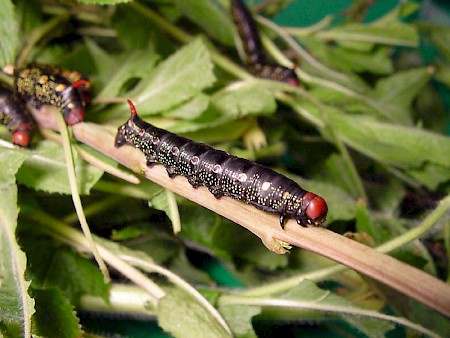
[
  {"x": 251, "y": 43},
  {"x": 223, "y": 174},
  {"x": 14, "y": 114},
  {"x": 67, "y": 90}
]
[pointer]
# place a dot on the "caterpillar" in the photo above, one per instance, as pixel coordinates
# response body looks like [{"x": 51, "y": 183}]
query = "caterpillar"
[
  {"x": 14, "y": 114},
  {"x": 43, "y": 84},
  {"x": 251, "y": 42},
  {"x": 223, "y": 174}
]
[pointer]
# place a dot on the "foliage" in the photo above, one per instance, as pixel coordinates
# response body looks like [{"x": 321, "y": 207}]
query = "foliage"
[{"x": 367, "y": 130}]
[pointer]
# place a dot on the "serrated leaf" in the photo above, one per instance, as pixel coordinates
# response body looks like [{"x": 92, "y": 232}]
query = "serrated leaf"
[
  {"x": 401, "y": 88},
  {"x": 181, "y": 315},
  {"x": 9, "y": 32},
  {"x": 239, "y": 317},
  {"x": 218, "y": 130},
  {"x": 176, "y": 80},
  {"x": 46, "y": 170},
  {"x": 210, "y": 17},
  {"x": 191, "y": 109},
  {"x": 376, "y": 62},
  {"x": 55, "y": 316},
  {"x": 137, "y": 65},
  {"x": 62, "y": 268},
  {"x": 397, "y": 145},
  {"x": 245, "y": 98},
  {"x": 430, "y": 174},
  {"x": 16, "y": 306},
  {"x": 403, "y": 147}
]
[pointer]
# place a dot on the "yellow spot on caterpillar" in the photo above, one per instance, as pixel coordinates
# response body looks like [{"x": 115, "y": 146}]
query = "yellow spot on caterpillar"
[
  {"x": 43, "y": 79},
  {"x": 59, "y": 88}
]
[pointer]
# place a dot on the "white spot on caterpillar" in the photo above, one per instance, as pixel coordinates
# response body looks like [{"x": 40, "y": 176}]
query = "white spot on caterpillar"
[
  {"x": 242, "y": 177},
  {"x": 265, "y": 186}
]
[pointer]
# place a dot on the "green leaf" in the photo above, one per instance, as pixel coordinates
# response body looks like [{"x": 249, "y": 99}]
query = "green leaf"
[
  {"x": 140, "y": 34},
  {"x": 161, "y": 202},
  {"x": 245, "y": 98},
  {"x": 9, "y": 32},
  {"x": 55, "y": 316},
  {"x": 137, "y": 64},
  {"x": 16, "y": 306},
  {"x": 46, "y": 170},
  {"x": 439, "y": 35},
  {"x": 442, "y": 73},
  {"x": 399, "y": 13},
  {"x": 191, "y": 109},
  {"x": 176, "y": 80},
  {"x": 219, "y": 235},
  {"x": 401, "y": 88},
  {"x": 62, "y": 268},
  {"x": 210, "y": 17},
  {"x": 181, "y": 315},
  {"x": 393, "y": 144},
  {"x": 376, "y": 62},
  {"x": 407, "y": 148},
  {"x": 239, "y": 317},
  {"x": 395, "y": 34},
  {"x": 430, "y": 174}
]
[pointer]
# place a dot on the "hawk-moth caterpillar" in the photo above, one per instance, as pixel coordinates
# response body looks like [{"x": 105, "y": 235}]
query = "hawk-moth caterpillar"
[
  {"x": 65, "y": 89},
  {"x": 15, "y": 115},
  {"x": 251, "y": 43},
  {"x": 223, "y": 174}
]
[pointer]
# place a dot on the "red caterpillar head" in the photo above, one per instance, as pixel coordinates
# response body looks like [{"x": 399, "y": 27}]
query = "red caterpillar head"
[
  {"x": 314, "y": 208},
  {"x": 22, "y": 136}
]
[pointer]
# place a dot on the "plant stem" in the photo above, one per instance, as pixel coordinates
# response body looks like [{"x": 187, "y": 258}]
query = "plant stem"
[
  {"x": 173, "y": 210},
  {"x": 164, "y": 24},
  {"x": 74, "y": 238},
  {"x": 436, "y": 215},
  {"x": 181, "y": 283},
  {"x": 441, "y": 212},
  {"x": 316, "y": 305},
  {"x": 222, "y": 61},
  {"x": 68, "y": 155}
]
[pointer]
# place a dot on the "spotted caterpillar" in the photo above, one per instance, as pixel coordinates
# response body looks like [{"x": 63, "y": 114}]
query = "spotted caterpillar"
[
  {"x": 67, "y": 90},
  {"x": 223, "y": 174},
  {"x": 15, "y": 115},
  {"x": 251, "y": 43}
]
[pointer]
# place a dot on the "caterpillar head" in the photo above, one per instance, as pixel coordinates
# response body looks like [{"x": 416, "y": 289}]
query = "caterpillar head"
[{"x": 313, "y": 209}]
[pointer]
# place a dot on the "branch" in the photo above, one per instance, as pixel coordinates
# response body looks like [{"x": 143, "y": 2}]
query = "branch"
[{"x": 400, "y": 276}]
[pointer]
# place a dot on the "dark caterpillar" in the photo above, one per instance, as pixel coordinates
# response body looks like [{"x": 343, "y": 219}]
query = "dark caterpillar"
[
  {"x": 252, "y": 45},
  {"x": 65, "y": 89},
  {"x": 222, "y": 173},
  {"x": 14, "y": 114}
]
